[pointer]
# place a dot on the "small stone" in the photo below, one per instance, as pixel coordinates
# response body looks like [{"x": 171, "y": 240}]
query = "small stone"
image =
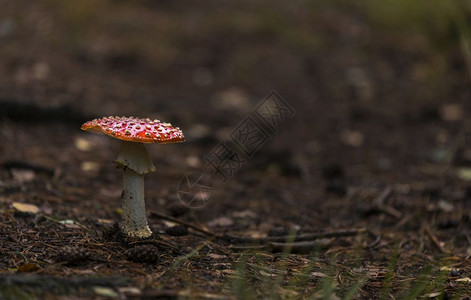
[{"x": 454, "y": 273}]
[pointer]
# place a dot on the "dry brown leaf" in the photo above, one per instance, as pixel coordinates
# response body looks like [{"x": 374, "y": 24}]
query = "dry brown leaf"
[
  {"x": 83, "y": 144},
  {"x": 222, "y": 221},
  {"x": 244, "y": 214},
  {"x": 319, "y": 274},
  {"x": 29, "y": 267},
  {"x": 24, "y": 207},
  {"x": 216, "y": 256},
  {"x": 89, "y": 166},
  {"x": 451, "y": 112},
  {"x": 352, "y": 138},
  {"x": 433, "y": 295},
  {"x": 23, "y": 175},
  {"x": 105, "y": 221}
]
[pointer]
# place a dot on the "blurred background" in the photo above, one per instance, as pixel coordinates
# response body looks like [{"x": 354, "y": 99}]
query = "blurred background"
[{"x": 380, "y": 90}]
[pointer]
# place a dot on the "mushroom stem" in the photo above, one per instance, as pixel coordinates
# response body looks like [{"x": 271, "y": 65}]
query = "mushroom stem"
[
  {"x": 134, "y": 160},
  {"x": 134, "y": 209}
]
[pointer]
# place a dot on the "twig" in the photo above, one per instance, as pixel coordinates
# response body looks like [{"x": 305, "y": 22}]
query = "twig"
[
  {"x": 298, "y": 247},
  {"x": 381, "y": 199},
  {"x": 303, "y": 243},
  {"x": 403, "y": 221},
  {"x": 189, "y": 225},
  {"x": 175, "y": 294},
  {"x": 248, "y": 247},
  {"x": 469, "y": 242},
  {"x": 299, "y": 238},
  {"x": 434, "y": 239},
  {"x": 375, "y": 242},
  {"x": 303, "y": 247},
  {"x": 387, "y": 191},
  {"x": 26, "y": 165}
]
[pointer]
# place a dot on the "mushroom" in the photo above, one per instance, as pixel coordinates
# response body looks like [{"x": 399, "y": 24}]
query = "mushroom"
[{"x": 134, "y": 160}]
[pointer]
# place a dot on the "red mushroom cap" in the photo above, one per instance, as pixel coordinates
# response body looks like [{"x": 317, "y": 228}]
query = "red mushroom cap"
[{"x": 133, "y": 129}]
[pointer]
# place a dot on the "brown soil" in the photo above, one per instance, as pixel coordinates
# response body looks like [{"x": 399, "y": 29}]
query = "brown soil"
[{"x": 372, "y": 171}]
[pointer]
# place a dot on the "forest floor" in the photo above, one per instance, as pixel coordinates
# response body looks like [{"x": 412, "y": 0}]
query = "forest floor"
[{"x": 355, "y": 185}]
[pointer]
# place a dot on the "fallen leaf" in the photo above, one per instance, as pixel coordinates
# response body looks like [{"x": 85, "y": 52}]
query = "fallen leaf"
[
  {"x": 464, "y": 173},
  {"x": 266, "y": 274},
  {"x": 193, "y": 161},
  {"x": 433, "y": 295},
  {"x": 23, "y": 175},
  {"x": 352, "y": 138},
  {"x": 169, "y": 223},
  {"x": 41, "y": 70},
  {"x": 72, "y": 226},
  {"x": 105, "y": 292},
  {"x": 29, "y": 267},
  {"x": 24, "y": 207},
  {"x": 244, "y": 214},
  {"x": 465, "y": 279},
  {"x": 216, "y": 256},
  {"x": 221, "y": 265},
  {"x": 255, "y": 234},
  {"x": 84, "y": 272},
  {"x": 67, "y": 222},
  {"x": 451, "y": 112},
  {"x": 129, "y": 290},
  {"x": 445, "y": 206},
  {"x": 83, "y": 144},
  {"x": 105, "y": 221},
  {"x": 230, "y": 272},
  {"x": 90, "y": 166},
  {"x": 233, "y": 98},
  {"x": 222, "y": 221},
  {"x": 319, "y": 274}
]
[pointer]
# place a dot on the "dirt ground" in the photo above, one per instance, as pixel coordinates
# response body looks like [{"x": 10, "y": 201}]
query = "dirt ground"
[{"x": 358, "y": 189}]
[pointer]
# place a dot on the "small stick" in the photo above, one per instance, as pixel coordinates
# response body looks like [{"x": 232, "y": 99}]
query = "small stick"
[
  {"x": 387, "y": 209},
  {"x": 434, "y": 239},
  {"x": 298, "y": 247},
  {"x": 469, "y": 242},
  {"x": 387, "y": 191},
  {"x": 295, "y": 247},
  {"x": 174, "y": 294},
  {"x": 375, "y": 242},
  {"x": 248, "y": 247},
  {"x": 189, "y": 225},
  {"x": 299, "y": 238},
  {"x": 402, "y": 222},
  {"x": 270, "y": 239},
  {"x": 26, "y": 165}
]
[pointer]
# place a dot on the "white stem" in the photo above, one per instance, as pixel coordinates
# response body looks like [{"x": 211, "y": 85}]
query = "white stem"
[
  {"x": 134, "y": 209},
  {"x": 134, "y": 155}
]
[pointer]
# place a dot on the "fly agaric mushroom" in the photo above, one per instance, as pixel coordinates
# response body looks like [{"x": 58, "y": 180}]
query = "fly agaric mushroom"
[{"x": 134, "y": 160}]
